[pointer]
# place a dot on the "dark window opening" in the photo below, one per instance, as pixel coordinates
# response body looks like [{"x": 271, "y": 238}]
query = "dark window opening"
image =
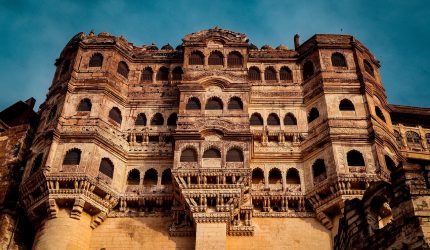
[
  {"x": 338, "y": 60},
  {"x": 235, "y": 155},
  {"x": 273, "y": 119},
  {"x": 214, "y": 103},
  {"x": 275, "y": 176},
  {"x": 85, "y": 105},
  {"x": 123, "y": 69},
  {"x": 140, "y": 119},
  {"x": 106, "y": 167},
  {"x": 346, "y": 105},
  {"x": 189, "y": 155},
  {"x": 270, "y": 74},
  {"x": 196, "y": 58},
  {"x": 171, "y": 121},
  {"x": 308, "y": 70},
  {"x": 212, "y": 153},
  {"x": 368, "y": 68},
  {"x": 290, "y": 119},
  {"x": 37, "y": 163},
  {"x": 166, "y": 177},
  {"x": 96, "y": 60},
  {"x": 379, "y": 113},
  {"x": 177, "y": 74},
  {"x": 150, "y": 178},
  {"x": 254, "y": 74},
  {"x": 313, "y": 114},
  {"x": 257, "y": 176},
  {"x": 293, "y": 176},
  {"x": 235, "y": 103},
  {"x": 285, "y": 74},
  {"x": 73, "y": 157},
  {"x": 234, "y": 60},
  {"x": 146, "y": 75},
  {"x": 157, "y": 120},
  {"x": 115, "y": 114},
  {"x": 193, "y": 104},
  {"x": 318, "y": 168},
  {"x": 163, "y": 74},
  {"x": 355, "y": 158},
  {"x": 133, "y": 177},
  {"x": 256, "y": 119},
  {"x": 216, "y": 58}
]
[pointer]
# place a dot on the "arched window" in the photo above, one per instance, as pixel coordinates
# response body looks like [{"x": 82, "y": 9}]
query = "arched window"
[
  {"x": 146, "y": 75},
  {"x": 193, "y": 104},
  {"x": 85, "y": 105},
  {"x": 106, "y": 167},
  {"x": 157, "y": 120},
  {"x": 256, "y": 119},
  {"x": 413, "y": 138},
  {"x": 257, "y": 176},
  {"x": 381, "y": 211},
  {"x": 166, "y": 177},
  {"x": 123, "y": 69},
  {"x": 140, "y": 120},
  {"x": 96, "y": 60},
  {"x": 196, "y": 58},
  {"x": 355, "y": 159},
  {"x": 189, "y": 155},
  {"x": 37, "y": 163},
  {"x": 115, "y": 114},
  {"x": 235, "y": 103},
  {"x": 338, "y": 60},
  {"x": 133, "y": 177},
  {"x": 428, "y": 139},
  {"x": 389, "y": 163},
  {"x": 177, "y": 74},
  {"x": 293, "y": 176},
  {"x": 346, "y": 105},
  {"x": 234, "y": 60},
  {"x": 273, "y": 119},
  {"x": 290, "y": 119},
  {"x": 216, "y": 58},
  {"x": 171, "y": 121},
  {"x": 234, "y": 155},
  {"x": 254, "y": 74},
  {"x": 313, "y": 114},
  {"x": 270, "y": 74},
  {"x": 285, "y": 74},
  {"x": 73, "y": 157},
  {"x": 368, "y": 68},
  {"x": 52, "y": 113},
  {"x": 308, "y": 70},
  {"x": 398, "y": 137},
  {"x": 212, "y": 153},
  {"x": 275, "y": 176},
  {"x": 318, "y": 169},
  {"x": 163, "y": 74},
  {"x": 379, "y": 113},
  {"x": 150, "y": 178},
  {"x": 214, "y": 103}
]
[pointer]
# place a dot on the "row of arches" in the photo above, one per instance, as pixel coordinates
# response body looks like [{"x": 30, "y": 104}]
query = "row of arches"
[
  {"x": 189, "y": 154},
  {"x": 412, "y": 138},
  {"x": 275, "y": 176},
  {"x": 270, "y": 74},
  {"x": 214, "y": 103},
  {"x": 156, "y": 120},
  {"x": 150, "y": 177},
  {"x": 234, "y": 58}
]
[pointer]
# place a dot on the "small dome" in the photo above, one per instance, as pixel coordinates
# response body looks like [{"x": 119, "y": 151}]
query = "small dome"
[
  {"x": 151, "y": 47},
  {"x": 252, "y": 46},
  {"x": 167, "y": 47},
  {"x": 282, "y": 47},
  {"x": 266, "y": 47}
]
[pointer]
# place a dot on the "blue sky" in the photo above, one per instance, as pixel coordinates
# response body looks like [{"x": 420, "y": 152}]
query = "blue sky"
[{"x": 33, "y": 34}]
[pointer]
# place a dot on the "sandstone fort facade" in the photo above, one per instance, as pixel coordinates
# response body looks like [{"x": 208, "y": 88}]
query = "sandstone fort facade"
[{"x": 215, "y": 144}]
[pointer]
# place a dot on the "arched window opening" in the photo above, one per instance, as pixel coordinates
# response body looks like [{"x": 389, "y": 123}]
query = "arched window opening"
[
  {"x": 355, "y": 159},
  {"x": 293, "y": 176},
  {"x": 146, "y": 75},
  {"x": 257, "y": 176},
  {"x": 338, "y": 60},
  {"x": 290, "y": 119},
  {"x": 379, "y": 113},
  {"x": 254, "y": 74},
  {"x": 285, "y": 74},
  {"x": 115, "y": 114},
  {"x": 381, "y": 210},
  {"x": 196, "y": 58},
  {"x": 150, "y": 178},
  {"x": 37, "y": 163},
  {"x": 73, "y": 157},
  {"x": 313, "y": 114},
  {"x": 234, "y": 60},
  {"x": 368, "y": 68},
  {"x": 308, "y": 70},
  {"x": 256, "y": 119},
  {"x": 106, "y": 167},
  {"x": 413, "y": 138},
  {"x": 212, "y": 153},
  {"x": 177, "y": 74},
  {"x": 52, "y": 113},
  {"x": 157, "y": 120},
  {"x": 171, "y": 121},
  {"x": 234, "y": 155},
  {"x": 275, "y": 176},
  {"x": 214, "y": 103},
  {"x": 133, "y": 177},
  {"x": 189, "y": 155},
  {"x": 96, "y": 60},
  {"x": 123, "y": 69},
  {"x": 163, "y": 74},
  {"x": 235, "y": 103},
  {"x": 389, "y": 163},
  {"x": 85, "y": 105},
  {"x": 398, "y": 137},
  {"x": 270, "y": 74},
  {"x": 273, "y": 120},
  {"x": 319, "y": 170},
  {"x": 166, "y": 177},
  {"x": 193, "y": 104},
  {"x": 428, "y": 139},
  {"x": 140, "y": 120},
  {"x": 216, "y": 58},
  {"x": 346, "y": 105}
]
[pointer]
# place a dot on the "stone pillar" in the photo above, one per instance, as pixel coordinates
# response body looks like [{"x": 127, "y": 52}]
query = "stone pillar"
[
  {"x": 211, "y": 236},
  {"x": 64, "y": 232}
]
